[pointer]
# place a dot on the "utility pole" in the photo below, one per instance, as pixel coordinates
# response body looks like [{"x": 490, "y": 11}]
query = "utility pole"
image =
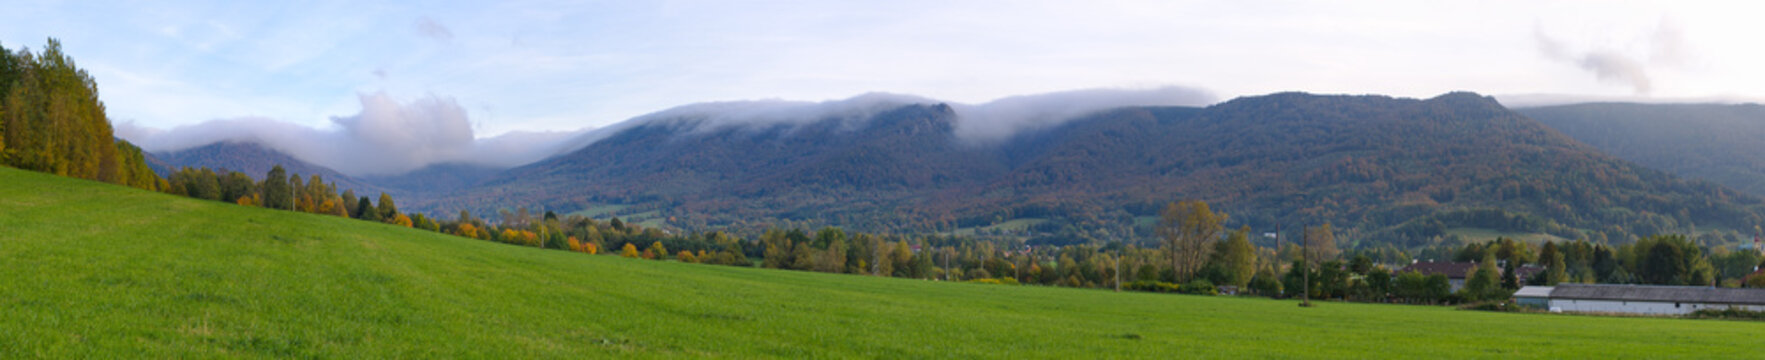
[
  {"x": 1118, "y": 268},
  {"x": 947, "y": 253},
  {"x": 1018, "y": 269},
  {"x": 1305, "y": 265}
]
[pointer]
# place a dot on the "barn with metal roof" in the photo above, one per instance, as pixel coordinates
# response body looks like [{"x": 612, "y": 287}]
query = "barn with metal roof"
[{"x": 1651, "y": 299}]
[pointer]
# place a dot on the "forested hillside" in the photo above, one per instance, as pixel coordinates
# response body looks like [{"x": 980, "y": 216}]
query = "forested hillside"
[
  {"x": 1719, "y": 143},
  {"x": 52, "y": 121},
  {"x": 254, "y": 160},
  {"x": 1385, "y": 170}
]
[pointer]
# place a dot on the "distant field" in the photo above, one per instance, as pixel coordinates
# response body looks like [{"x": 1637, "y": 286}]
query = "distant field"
[
  {"x": 89, "y": 270},
  {"x": 1008, "y": 225},
  {"x": 1481, "y": 235},
  {"x": 600, "y": 211}
]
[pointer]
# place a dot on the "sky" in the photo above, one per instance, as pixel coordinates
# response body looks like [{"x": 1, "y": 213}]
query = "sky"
[{"x": 545, "y": 70}]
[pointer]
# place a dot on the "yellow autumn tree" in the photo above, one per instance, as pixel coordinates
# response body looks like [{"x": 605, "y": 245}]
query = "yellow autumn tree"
[
  {"x": 329, "y": 206},
  {"x": 467, "y": 230},
  {"x": 251, "y": 200},
  {"x": 338, "y": 208},
  {"x": 531, "y": 239},
  {"x": 591, "y": 248},
  {"x": 629, "y": 251},
  {"x": 402, "y": 220},
  {"x": 686, "y": 257}
]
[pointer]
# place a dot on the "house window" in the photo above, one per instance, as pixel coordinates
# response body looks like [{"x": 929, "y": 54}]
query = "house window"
[{"x": 1675, "y": 305}]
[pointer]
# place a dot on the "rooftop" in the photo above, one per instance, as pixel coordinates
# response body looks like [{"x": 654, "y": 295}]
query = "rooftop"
[
  {"x": 1698, "y": 294},
  {"x": 1533, "y": 291}
]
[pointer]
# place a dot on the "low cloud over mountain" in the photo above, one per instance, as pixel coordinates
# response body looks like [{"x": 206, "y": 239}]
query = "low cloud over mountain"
[
  {"x": 393, "y": 137},
  {"x": 386, "y": 137}
]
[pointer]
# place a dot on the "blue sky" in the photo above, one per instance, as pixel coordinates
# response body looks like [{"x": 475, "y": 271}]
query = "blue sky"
[{"x": 569, "y": 65}]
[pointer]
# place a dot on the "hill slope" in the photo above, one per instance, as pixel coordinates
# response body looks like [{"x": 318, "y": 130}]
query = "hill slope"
[
  {"x": 94, "y": 270},
  {"x": 1719, "y": 143},
  {"x": 254, "y": 160},
  {"x": 1389, "y": 170}
]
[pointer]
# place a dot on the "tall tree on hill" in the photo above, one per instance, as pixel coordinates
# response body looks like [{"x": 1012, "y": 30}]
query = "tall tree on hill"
[
  {"x": 1484, "y": 281},
  {"x": 777, "y": 249},
  {"x": 277, "y": 193},
  {"x": 237, "y": 185},
  {"x": 365, "y": 210},
  {"x": 1240, "y": 257},
  {"x": 1556, "y": 271},
  {"x": 317, "y": 191},
  {"x": 1321, "y": 243},
  {"x": 387, "y": 209},
  {"x": 1188, "y": 229},
  {"x": 349, "y": 208}
]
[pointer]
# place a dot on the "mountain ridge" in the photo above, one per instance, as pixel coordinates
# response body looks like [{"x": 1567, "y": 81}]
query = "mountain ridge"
[
  {"x": 1386, "y": 170},
  {"x": 1389, "y": 169},
  {"x": 1715, "y": 142}
]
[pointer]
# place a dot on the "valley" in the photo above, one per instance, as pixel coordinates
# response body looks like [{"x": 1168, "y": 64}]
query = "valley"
[{"x": 95, "y": 270}]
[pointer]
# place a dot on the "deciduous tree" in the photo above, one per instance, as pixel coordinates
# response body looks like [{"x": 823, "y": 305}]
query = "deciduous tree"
[
  {"x": 1188, "y": 229},
  {"x": 1239, "y": 258}
]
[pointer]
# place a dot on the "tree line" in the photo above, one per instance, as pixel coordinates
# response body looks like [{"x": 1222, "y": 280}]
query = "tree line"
[{"x": 52, "y": 121}]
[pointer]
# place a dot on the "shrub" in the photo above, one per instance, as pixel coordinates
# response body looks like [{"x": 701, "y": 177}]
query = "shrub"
[
  {"x": 1729, "y": 313},
  {"x": 1152, "y": 286},
  {"x": 1199, "y": 287},
  {"x": 994, "y": 281},
  {"x": 1497, "y": 305}
]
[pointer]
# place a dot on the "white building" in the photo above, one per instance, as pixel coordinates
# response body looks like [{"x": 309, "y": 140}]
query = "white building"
[
  {"x": 1537, "y": 297},
  {"x": 1651, "y": 299}
]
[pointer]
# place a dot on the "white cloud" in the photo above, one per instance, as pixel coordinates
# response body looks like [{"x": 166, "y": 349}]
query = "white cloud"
[
  {"x": 434, "y": 30},
  {"x": 386, "y": 137},
  {"x": 985, "y": 122},
  {"x": 1666, "y": 48}
]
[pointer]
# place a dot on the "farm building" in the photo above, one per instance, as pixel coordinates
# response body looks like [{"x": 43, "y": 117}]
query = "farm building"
[
  {"x": 1648, "y": 299},
  {"x": 1537, "y": 297}
]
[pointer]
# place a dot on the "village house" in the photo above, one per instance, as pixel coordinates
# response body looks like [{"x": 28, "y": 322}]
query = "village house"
[{"x": 1457, "y": 272}]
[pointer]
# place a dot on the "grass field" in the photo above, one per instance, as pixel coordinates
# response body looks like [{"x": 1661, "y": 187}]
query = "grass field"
[
  {"x": 1482, "y": 235},
  {"x": 600, "y": 211},
  {"x": 1008, "y": 225},
  {"x": 89, "y": 270}
]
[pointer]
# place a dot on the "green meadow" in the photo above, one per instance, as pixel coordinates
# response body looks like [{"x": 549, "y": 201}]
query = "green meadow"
[{"x": 89, "y": 270}]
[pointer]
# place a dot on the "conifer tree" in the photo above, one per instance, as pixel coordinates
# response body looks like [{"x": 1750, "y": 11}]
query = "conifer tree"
[
  {"x": 387, "y": 209},
  {"x": 365, "y": 210},
  {"x": 277, "y": 194}
]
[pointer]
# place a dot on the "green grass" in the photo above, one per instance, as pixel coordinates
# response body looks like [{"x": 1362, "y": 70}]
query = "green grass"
[
  {"x": 1008, "y": 225},
  {"x": 1482, "y": 235},
  {"x": 600, "y": 211},
  {"x": 89, "y": 270}
]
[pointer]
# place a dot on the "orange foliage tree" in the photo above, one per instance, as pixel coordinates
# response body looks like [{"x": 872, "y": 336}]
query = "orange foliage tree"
[{"x": 467, "y": 230}]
